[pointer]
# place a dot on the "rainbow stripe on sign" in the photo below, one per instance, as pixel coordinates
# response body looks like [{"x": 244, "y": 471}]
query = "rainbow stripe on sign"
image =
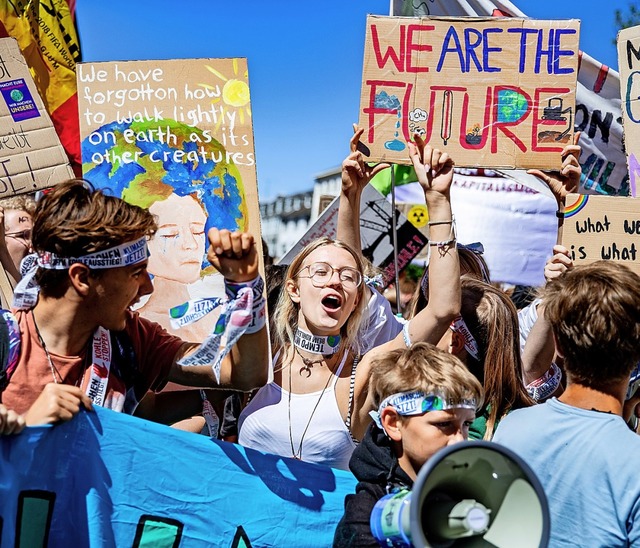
[{"x": 576, "y": 207}]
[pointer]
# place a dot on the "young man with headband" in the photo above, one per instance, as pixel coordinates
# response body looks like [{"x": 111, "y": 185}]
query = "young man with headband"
[
  {"x": 427, "y": 399},
  {"x": 74, "y": 341}
]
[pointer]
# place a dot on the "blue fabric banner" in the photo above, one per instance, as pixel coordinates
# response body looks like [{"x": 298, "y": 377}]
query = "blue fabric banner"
[{"x": 108, "y": 479}]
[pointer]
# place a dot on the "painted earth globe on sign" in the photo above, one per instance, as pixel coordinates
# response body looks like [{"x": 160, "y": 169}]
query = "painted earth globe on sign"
[{"x": 146, "y": 162}]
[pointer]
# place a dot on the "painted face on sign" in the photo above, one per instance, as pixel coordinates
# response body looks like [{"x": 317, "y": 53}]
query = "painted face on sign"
[{"x": 177, "y": 249}]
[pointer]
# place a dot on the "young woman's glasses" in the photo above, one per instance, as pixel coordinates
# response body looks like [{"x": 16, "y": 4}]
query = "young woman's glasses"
[{"x": 321, "y": 274}]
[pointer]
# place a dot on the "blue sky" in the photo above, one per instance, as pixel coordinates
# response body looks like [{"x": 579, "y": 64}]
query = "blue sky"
[{"x": 305, "y": 62}]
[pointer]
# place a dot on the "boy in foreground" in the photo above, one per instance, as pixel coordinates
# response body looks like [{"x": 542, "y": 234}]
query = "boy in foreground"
[{"x": 427, "y": 399}]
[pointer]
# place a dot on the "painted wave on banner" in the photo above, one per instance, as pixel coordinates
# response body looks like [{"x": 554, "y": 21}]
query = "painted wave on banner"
[{"x": 108, "y": 479}]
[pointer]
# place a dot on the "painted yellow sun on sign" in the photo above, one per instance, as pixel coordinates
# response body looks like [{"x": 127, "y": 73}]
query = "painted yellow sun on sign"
[{"x": 235, "y": 92}]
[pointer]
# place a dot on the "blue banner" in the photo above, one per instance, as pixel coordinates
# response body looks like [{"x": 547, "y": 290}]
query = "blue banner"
[{"x": 108, "y": 479}]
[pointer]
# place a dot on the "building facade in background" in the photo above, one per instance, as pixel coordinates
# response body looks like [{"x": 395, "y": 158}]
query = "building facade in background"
[{"x": 287, "y": 218}]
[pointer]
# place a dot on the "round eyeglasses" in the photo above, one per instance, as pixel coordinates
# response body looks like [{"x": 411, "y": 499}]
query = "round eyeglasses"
[{"x": 321, "y": 274}]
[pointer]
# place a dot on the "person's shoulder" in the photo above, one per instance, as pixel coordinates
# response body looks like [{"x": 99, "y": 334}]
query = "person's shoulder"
[
  {"x": 143, "y": 329},
  {"x": 518, "y": 420}
]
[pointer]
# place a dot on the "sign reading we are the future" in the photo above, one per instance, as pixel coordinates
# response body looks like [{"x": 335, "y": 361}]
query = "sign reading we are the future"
[{"x": 492, "y": 92}]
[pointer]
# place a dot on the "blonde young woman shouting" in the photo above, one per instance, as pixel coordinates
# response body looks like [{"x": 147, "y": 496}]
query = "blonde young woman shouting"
[{"x": 318, "y": 404}]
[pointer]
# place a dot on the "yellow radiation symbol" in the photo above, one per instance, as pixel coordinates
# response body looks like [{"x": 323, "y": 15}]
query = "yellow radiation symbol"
[{"x": 418, "y": 216}]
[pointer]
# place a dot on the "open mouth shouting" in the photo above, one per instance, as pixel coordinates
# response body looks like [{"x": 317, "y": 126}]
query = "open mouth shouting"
[{"x": 332, "y": 302}]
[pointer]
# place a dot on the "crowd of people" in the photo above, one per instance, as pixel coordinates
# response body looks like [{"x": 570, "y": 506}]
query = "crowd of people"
[{"x": 348, "y": 384}]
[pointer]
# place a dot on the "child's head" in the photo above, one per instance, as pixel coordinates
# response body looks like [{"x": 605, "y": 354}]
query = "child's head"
[
  {"x": 426, "y": 400},
  {"x": 594, "y": 311}
]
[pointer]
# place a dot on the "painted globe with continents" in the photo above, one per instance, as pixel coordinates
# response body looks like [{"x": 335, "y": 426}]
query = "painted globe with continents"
[{"x": 144, "y": 162}]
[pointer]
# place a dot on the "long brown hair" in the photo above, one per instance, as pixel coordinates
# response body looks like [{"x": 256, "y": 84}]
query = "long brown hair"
[{"x": 493, "y": 321}]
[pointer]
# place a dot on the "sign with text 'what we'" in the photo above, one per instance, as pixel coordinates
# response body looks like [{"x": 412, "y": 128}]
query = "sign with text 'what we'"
[
  {"x": 492, "y": 92},
  {"x": 602, "y": 228}
]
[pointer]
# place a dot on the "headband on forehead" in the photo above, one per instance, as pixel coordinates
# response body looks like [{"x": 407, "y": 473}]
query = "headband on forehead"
[
  {"x": 416, "y": 403},
  {"x": 126, "y": 254},
  {"x": 25, "y": 294}
]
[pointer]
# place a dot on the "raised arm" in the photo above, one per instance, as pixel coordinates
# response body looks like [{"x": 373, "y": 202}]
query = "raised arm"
[
  {"x": 539, "y": 349},
  {"x": 356, "y": 174},
  {"x": 235, "y": 256},
  {"x": 435, "y": 174}
]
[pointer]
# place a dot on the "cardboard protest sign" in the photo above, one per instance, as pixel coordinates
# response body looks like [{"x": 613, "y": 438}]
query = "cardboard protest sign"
[
  {"x": 629, "y": 63},
  {"x": 31, "y": 156},
  {"x": 492, "y": 92},
  {"x": 375, "y": 233},
  {"x": 602, "y": 228},
  {"x": 174, "y": 137}
]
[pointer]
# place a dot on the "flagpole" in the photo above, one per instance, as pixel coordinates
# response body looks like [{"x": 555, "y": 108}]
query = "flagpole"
[{"x": 394, "y": 236}]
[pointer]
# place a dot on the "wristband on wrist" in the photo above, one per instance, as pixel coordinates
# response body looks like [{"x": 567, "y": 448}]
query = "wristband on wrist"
[
  {"x": 545, "y": 386},
  {"x": 445, "y": 245},
  {"x": 258, "y": 309}
]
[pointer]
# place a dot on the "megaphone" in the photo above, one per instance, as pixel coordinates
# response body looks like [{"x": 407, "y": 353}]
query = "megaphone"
[{"x": 473, "y": 494}]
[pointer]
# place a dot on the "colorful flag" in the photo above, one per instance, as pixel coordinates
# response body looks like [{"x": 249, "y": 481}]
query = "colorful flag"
[{"x": 47, "y": 38}]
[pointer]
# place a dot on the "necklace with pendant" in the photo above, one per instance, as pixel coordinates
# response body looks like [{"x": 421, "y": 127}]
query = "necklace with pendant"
[
  {"x": 308, "y": 362},
  {"x": 298, "y": 454},
  {"x": 52, "y": 367}
]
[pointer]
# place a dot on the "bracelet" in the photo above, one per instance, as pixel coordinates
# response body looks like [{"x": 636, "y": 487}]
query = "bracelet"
[
  {"x": 443, "y": 244},
  {"x": 560, "y": 214},
  {"x": 443, "y": 247},
  {"x": 545, "y": 386},
  {"x": 258, "y": 309},
  {"x": 434, "y": 223}
]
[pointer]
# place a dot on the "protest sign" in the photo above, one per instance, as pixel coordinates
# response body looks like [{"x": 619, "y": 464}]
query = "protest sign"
[
  {"x": 629, "y": 64},
  {"x": 492, "y": 92},
  {"x": 376, "y": 233},
  {"x": 602, "y": 228},
  {"x": 515, "y": 223},
  {"x": 31, "y": 156},
  {"x": 603, "y": 162},
  {"x": 108, "y": 479},
  {"x": 175, "y": 137}
]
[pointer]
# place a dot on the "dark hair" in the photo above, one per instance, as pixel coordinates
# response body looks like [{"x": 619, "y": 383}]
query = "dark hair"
[
  {"x": 594, "y": 311},
  {"x": 73, "y": 220}
]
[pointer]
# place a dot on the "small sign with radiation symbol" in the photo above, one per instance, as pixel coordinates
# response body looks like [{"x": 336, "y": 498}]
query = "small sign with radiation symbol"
[{"x": 418, "y": 215}]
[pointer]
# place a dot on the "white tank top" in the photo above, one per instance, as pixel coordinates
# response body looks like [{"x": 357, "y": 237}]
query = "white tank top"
[{"x": 264, "y": 424}]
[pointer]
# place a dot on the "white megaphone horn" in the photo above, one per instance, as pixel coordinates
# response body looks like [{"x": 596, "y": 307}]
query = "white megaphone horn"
[{"x": 473, "y": 494}]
